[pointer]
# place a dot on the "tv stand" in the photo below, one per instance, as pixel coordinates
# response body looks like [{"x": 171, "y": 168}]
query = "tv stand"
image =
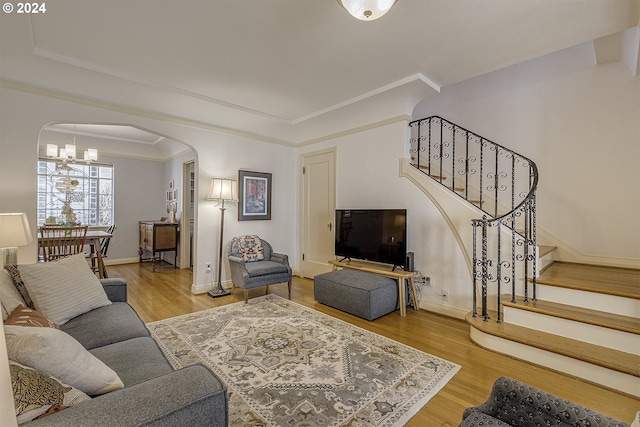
[{"x": 400, "y": 276}]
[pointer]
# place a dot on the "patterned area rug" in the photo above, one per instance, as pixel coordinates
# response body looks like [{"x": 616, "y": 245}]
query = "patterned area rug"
[{"x": 288, "y": 365}]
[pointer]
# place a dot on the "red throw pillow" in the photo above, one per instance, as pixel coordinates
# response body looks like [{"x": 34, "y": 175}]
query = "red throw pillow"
[{"x": 23, "y": 316}]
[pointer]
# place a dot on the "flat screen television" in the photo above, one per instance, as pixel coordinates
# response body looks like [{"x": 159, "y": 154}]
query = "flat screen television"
[{"x": 378, "y": 235}]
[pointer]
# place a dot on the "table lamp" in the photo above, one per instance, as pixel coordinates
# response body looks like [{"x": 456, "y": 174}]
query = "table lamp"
[{"x": 14, "y": 232}]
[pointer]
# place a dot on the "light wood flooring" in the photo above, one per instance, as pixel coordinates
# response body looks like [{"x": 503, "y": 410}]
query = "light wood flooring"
[{"x": 167, "y": 293}]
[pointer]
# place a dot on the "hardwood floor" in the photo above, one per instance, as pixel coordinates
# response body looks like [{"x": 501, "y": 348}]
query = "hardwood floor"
[{"x": 167, "y": 293}]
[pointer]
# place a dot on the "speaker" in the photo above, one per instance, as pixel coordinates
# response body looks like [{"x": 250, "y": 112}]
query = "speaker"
[{"x": 408, "y": 265}]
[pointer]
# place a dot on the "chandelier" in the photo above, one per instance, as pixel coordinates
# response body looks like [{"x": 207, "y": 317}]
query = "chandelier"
[
  {"x": 69, "y": 152},
  {"x": 367, "y": 10}
]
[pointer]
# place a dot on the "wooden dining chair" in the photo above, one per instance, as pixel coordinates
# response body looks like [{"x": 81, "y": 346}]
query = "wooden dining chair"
[{"x": 58, "y": 242}]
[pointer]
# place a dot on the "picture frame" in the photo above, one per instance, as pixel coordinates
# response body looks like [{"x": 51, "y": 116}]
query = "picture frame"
[{"x": 254, "y": 195}]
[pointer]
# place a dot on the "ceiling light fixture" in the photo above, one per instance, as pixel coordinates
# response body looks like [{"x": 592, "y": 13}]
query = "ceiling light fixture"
[
  {"x": 367, "y": 10},
  {"x": 68, "y": 153}
]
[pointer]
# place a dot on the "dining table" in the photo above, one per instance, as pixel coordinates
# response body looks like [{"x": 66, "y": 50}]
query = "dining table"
[{"x": 93, "y": 239}]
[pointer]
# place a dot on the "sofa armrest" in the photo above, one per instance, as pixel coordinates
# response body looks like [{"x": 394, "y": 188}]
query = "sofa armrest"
[
  {"x": 192, "y": 396},
  {"x": 510, "y": 399},
  {"x": 115, "y": 288},
  {"x": 280, "y": 258}
]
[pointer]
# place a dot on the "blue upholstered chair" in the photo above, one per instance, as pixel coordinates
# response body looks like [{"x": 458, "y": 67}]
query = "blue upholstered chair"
[{"x": 254, "y": 264}]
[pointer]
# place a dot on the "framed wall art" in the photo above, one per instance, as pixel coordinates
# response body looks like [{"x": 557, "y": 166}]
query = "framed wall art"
[{"x": 254, "y": 194}]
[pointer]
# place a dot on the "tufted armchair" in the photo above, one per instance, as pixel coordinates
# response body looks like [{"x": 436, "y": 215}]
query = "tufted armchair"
[
  {"x": 513, "y": 403},
  {"x": 253, "y": 264}
]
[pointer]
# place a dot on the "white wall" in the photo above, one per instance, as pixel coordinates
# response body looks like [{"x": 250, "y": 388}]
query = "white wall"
[
  {"x": 580, "y": 123},
  {"x": 367, "y": 176},
  {"x": 23, "y": 115}
]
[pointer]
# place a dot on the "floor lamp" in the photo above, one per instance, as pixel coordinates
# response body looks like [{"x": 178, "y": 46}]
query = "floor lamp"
[
  {"x": 14, "y": 232},
  {"x": 223, "y": 191}
]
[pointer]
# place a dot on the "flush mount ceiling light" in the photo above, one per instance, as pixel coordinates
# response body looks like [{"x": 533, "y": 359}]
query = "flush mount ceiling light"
[{"x": 367, "y": 10}]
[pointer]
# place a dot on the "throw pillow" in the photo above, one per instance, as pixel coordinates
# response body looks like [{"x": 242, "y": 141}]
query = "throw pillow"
[
  {"x": 22, "y": 316},
  {"x": 36, "y": 393},
  {"x": 9, "y": 295},
  {"x": 58, "y": 354},
  {"x": 250, "y": 248},
  {"x": 19, "y": 284},
  {"x": 63, "y": 289}
]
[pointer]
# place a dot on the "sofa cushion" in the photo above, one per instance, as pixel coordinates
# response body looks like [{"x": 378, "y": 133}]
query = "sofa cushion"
[
  {"x": 63, "y": 289},
  {"x": 23, "y": 316},
  {"x": 57, "y": 354},
  {"x": 135, "y": 360},
  {"x": 10, "y": 298},
  {"x": 106, "y": 325},
  {"x": 36, "y": 393},
  {"x": 263, "y": 268}
]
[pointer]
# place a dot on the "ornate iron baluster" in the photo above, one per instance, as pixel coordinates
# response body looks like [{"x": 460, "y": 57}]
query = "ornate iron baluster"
[{"x": 522, "y": 204}]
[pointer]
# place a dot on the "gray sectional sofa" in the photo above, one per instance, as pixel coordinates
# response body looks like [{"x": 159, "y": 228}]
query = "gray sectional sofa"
[{"x": 154, "y": 394}]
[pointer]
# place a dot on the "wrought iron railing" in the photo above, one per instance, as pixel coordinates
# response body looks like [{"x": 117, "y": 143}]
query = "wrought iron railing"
[{"x": 502, "y": 185}]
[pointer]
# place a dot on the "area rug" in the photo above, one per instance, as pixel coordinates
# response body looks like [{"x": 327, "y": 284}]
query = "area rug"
[{"x": 288, "y": 365}]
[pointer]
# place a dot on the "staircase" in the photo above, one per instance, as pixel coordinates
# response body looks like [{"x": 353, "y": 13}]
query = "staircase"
[{"x": 580, "y": 319}]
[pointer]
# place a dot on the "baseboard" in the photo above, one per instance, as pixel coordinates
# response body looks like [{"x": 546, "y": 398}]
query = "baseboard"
[
  {"x": 566, "y": 253},
  {"x": 206, "y": 287},
  {"x": 444, "y": 310},
  {"x": 111, "y": 261}
]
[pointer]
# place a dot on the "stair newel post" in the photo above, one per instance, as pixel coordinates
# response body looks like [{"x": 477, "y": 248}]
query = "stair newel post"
[
  {"x": 474, "y": 224},
  {"x": 499, "y": 268},
  {"x": 525, "y": 248},
  {"x": 485, "y": 269},
  {"x": 513, "y": 257},
  {"x": 534, "y": 244}
]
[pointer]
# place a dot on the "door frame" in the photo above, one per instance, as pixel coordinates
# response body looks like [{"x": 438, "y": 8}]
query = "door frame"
[{"x": 303, "y": 232}]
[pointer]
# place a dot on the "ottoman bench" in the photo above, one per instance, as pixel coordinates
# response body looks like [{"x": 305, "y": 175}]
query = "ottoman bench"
[{"x": 362, "y": 294}]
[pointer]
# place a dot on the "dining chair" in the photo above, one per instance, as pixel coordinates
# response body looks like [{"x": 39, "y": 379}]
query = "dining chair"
[{"x": 58, "y": 242}]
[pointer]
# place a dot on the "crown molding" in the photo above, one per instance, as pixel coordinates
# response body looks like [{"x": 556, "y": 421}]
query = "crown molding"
[{"x": 138, "y": 112}]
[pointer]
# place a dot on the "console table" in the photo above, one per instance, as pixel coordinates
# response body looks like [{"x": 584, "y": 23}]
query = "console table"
[
  {"x": 158, "y": 236},
  {"x": 399, "y": 275}
]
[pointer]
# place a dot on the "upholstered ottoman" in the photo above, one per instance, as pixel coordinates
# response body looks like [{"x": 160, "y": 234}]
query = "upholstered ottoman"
[{"x": 361, "y": 294}]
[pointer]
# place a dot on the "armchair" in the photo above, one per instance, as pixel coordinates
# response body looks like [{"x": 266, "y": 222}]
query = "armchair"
[{"x": 254, "y": 264}]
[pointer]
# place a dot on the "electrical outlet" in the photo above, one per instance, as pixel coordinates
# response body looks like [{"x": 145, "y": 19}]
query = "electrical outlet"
[
  {"x": 445, "y": 295},
  {"x": 208, "y": 267},
  {"x": 427, "y": 281}
]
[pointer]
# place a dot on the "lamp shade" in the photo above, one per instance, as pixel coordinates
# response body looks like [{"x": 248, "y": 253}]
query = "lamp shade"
[
  {"x": 223, "y": 190},
  {"x": 367, "y": 10},
  {"x": 14, "y": 230}
]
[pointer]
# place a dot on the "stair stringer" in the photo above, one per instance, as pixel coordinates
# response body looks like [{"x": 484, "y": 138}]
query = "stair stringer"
[{"x": 447, "y": 203}]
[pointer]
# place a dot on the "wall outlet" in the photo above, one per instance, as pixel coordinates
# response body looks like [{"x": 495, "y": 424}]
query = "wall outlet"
[
  {"x": 208, "y": 267},
  {"x": 427, "y": 281},
  {"x": 445, "y": 295}
]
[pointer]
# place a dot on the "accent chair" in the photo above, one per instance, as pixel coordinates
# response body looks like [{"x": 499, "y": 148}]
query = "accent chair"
[{"x": 254, "y": 264}]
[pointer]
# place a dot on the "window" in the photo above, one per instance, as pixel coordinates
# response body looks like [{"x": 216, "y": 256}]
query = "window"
[{"x": 75, "y": 192}]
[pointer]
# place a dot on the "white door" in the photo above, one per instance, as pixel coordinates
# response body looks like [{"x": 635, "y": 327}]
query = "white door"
[{"x": 318, "y": 212}]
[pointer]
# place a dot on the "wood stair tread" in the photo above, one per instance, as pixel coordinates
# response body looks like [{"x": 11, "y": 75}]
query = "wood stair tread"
[
  {"x": 597, "y": 355},
  {"x": 624, "y": 282},
  {"x": 578, "y": 314}
]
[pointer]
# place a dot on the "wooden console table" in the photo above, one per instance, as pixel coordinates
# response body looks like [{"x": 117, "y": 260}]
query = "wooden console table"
[
  {"x": 158, "y": 236},
  {"x": 399, "y": 275}
]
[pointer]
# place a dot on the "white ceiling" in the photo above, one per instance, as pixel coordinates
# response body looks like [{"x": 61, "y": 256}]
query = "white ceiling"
[{"x": 267, "y": 66}]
